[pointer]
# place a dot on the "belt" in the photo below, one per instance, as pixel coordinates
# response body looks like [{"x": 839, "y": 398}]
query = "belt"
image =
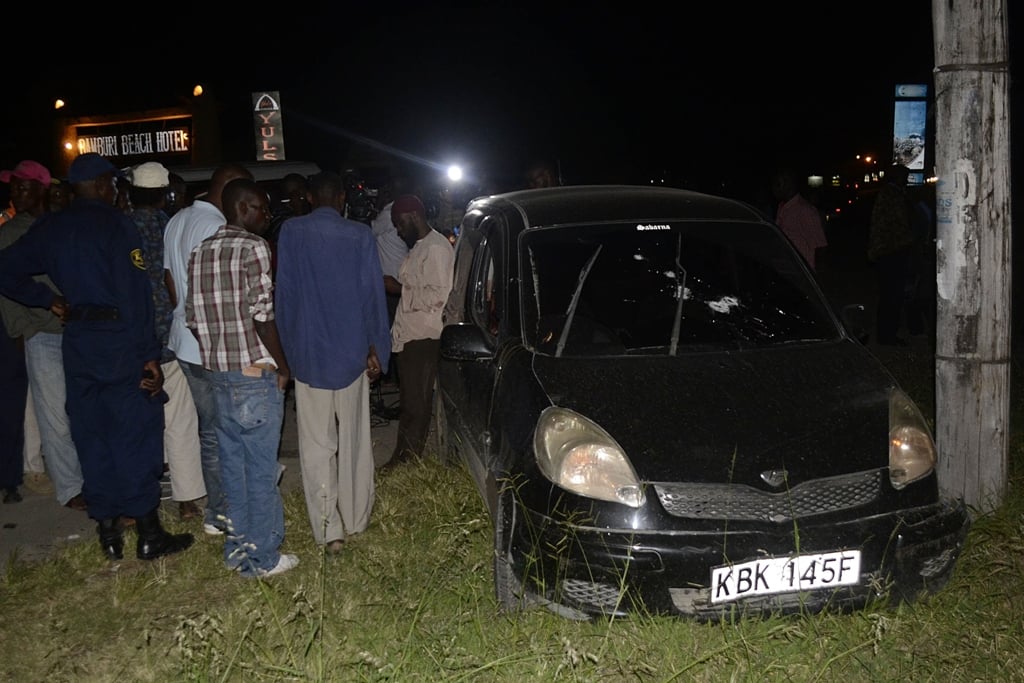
[{"x": 92, "y": 313}]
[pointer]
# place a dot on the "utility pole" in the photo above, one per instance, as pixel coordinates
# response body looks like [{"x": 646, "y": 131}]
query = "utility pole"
[{"x": 972, "y": 356}]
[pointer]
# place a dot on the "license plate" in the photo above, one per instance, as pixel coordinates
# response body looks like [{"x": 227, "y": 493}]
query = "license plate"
[{"x": 785, "y": 575}]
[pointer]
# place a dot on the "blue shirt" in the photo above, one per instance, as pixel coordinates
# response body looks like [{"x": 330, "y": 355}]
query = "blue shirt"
[{"x": 329, "y": 299}]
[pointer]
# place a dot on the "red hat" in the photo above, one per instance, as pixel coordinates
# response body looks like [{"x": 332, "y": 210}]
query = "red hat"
[
  {"x": 408, "y": 203},
  {"x": 27, "y": 170}
]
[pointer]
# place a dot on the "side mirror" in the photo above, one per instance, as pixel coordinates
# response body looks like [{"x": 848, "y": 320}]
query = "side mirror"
[
  {"x": 464, "y": 341},
  {"x": 855, "y": 319}
]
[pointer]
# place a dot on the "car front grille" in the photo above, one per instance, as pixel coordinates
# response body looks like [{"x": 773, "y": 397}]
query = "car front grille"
[{"x": 745, "y": 503}]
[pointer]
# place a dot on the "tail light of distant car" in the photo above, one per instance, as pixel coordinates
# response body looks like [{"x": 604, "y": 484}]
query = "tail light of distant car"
[
  {"x": 576, "y": 454},
  {"x": 911, "y": 447}
]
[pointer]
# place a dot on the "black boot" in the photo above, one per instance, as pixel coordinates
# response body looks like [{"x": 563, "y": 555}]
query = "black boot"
[
  {"x": 154, "y": 542},
  {"x": 110, "y": 539}
]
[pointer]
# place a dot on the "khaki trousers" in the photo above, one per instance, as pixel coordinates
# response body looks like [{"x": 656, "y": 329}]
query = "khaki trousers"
[
  {"x": 336, "y": 458},
  {"x": 181, "y": 436}
]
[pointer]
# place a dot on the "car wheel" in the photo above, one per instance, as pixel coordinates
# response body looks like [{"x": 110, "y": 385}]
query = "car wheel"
[
  {"x": 507, "y": 587},
  {"x": 439, "y": 437}
]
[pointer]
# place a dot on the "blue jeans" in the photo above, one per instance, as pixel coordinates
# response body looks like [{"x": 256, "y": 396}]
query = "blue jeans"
[
  {"x": 44, "y": 361},
  {"x": 201, "y": 385},
  {"x": 249, "y": 415}
]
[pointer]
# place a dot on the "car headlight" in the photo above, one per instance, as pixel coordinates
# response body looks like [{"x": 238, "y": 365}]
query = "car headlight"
[
  {"x": 911, "y": 447},
  {"x": 576, "y": 454}
]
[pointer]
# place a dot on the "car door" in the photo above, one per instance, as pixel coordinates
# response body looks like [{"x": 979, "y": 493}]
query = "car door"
[{"x": 467, "y": 385}]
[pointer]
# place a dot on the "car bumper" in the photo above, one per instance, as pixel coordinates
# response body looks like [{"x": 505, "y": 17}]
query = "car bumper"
[{"x": 618, "y": 572}]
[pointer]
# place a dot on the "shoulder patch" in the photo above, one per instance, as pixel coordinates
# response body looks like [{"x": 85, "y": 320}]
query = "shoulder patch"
[{"x": 137, "y": 259}]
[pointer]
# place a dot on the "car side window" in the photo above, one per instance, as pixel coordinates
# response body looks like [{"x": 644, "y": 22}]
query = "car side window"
[{"x": 486, "y": 298}]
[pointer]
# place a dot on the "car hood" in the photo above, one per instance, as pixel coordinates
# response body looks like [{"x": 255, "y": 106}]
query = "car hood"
[{"x": 813, "y": 411}]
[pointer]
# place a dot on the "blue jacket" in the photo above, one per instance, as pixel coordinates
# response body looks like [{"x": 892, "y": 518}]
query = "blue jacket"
[{"x": 329, "y": 300}]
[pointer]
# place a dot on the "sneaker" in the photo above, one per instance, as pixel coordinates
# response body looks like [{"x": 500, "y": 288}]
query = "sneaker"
[
  {"x": 11, "y": 495},
  {"x": 38, "y": 483},
  {"x": 284, "y": 563},
  {"x": 212, "y": 529}
]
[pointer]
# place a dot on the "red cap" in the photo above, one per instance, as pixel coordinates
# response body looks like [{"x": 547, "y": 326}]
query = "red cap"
[
  {"x": 27, "y": 170},
  {"x": 408, "y": 203}
]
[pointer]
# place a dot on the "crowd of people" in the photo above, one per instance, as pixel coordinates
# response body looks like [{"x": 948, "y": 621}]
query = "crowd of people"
[{"x": 147, "y": 337}]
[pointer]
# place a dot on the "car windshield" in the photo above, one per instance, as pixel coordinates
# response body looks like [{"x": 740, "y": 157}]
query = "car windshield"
[{"x": 668, "y": 288}]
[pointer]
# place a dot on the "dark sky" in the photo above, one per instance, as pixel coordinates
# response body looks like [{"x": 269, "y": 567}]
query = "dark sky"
[{"x": 615, "y": 92}]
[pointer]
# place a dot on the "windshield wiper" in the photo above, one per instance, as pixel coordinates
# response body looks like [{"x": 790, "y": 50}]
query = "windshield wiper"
[
  {"x": 680, "y": 293},
  {"x": 571, "y": 311}
]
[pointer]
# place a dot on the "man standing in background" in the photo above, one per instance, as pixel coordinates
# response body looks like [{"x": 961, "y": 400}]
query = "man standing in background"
[
  {"x": 148, "y": 186},
  {"x": 42, "y": 333},
  {"x": 798, "y": 218},
  {"x": 424, "y": 282}
]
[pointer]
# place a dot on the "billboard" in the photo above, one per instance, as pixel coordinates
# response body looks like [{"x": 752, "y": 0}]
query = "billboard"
[{"x": 909, "y": 131}]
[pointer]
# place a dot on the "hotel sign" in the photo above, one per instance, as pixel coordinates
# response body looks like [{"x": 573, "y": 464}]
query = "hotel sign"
[
  {"x": 266, "y": 119},
  {"x": 125, "y": 143}
]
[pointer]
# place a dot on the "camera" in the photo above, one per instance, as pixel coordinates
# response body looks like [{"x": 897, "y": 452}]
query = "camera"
[{"x": 360, "y": 198}]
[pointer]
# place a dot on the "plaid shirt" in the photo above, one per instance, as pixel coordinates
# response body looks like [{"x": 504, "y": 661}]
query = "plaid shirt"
[{"x": 230, "y": 287}]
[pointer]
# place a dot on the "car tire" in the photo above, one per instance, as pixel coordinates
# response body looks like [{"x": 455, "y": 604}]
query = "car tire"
[
  {"x": 439, "y": 438},
  {"x": 507, "y": 587}
]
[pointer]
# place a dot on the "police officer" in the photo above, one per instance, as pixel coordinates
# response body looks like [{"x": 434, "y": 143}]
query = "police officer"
[{"x": 93, "y": 253}]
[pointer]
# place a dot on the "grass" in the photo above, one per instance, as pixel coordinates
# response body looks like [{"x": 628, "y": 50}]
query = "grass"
[{"x": 412, "y": 599}]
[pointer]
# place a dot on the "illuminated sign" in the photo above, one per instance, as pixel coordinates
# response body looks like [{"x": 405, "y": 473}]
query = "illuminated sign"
[
  {"x": 266, "y": 118},
  {"x": 127, "y": 142}
]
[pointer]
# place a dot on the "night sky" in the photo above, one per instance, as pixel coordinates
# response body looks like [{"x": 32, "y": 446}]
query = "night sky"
[{"x": 621, "y": 92}]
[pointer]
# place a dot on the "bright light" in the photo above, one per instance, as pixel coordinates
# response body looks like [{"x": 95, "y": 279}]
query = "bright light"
[
  {"x": 197, "y": 91},
  {"x": 68, "y": 146},
  {"x": 58, "y": 103},
  {"x": 455, "y": 173}
]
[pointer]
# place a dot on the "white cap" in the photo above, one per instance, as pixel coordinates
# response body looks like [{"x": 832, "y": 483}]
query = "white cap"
[{"x": 150, "y": 174}]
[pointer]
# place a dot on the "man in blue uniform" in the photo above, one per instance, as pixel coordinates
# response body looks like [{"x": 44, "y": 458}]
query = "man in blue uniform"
[{"x": 93, "y": 253}]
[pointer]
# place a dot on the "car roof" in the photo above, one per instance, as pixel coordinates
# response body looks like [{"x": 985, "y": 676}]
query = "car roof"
[
  {"x": 261, "y": 170},
  {"x": 604, "y": 203}
]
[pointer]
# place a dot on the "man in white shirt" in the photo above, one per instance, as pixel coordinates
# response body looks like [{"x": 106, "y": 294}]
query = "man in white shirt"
[
  {"x": 186, "y": 229},
  {"x": 391, "y": 249},
  {"x": 424, "y": 281}
]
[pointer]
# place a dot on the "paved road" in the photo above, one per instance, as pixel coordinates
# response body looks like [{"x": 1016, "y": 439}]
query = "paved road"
[{"x": 37, "y": 527}]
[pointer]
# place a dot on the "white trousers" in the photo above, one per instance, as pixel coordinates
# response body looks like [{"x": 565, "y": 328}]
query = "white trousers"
[
  {"x": 181, "y": 436},
  {"x": 336, "y": 458},
  {"x": 33, "y": 452}
]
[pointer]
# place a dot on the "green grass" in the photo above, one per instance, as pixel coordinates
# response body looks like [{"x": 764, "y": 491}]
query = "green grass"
[{"x": 412, "y": 599}]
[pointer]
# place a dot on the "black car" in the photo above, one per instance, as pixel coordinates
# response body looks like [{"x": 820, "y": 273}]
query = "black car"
[{"x": 664, "y": 415}]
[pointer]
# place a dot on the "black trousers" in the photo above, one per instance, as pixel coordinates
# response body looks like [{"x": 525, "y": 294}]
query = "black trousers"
[
  {"x": 14, "y": 380},
  {"x": 893, "y": 273},
  {"x": 417, "y": 363},
  {"x": 117, "y": 428}
]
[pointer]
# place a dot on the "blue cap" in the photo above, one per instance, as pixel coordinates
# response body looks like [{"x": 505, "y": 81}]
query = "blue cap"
[{"x": 89, "y": 166}]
